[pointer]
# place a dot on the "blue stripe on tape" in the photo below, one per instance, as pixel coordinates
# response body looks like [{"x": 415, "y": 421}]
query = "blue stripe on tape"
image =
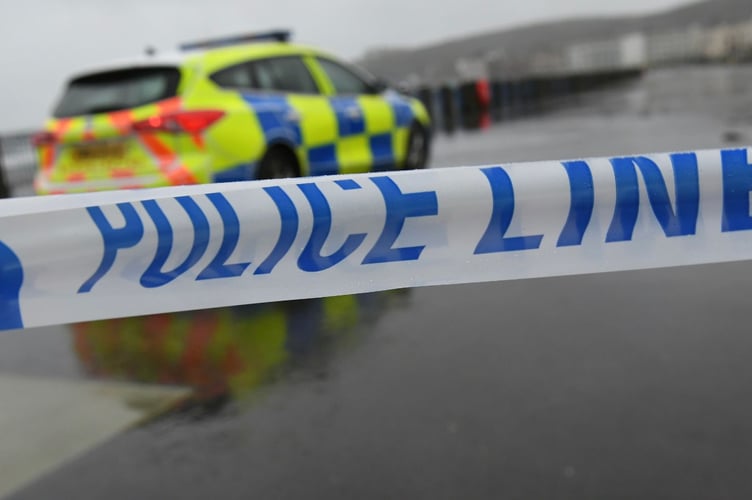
[
  {"x": 582, "y": 203},
  {"x": 347, "y": 184},
  {"x": 11, "y": 279}
]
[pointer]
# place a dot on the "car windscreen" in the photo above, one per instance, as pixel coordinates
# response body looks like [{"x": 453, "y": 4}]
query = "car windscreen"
[{"x": 116, "y": 90}]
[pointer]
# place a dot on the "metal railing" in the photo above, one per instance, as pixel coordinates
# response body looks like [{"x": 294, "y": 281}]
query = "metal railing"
[{"x": 17, "y": 165}]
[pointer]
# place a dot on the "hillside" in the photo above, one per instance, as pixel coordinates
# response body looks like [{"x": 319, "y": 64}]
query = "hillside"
[{"x": 516, "y": 43}]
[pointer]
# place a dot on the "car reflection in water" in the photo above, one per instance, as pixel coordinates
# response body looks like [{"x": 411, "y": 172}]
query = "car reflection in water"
[{"x": 224, "y": 354}]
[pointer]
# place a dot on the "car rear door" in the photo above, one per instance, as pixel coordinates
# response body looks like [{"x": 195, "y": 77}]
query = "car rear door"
[{"x": 291, "y": 108}]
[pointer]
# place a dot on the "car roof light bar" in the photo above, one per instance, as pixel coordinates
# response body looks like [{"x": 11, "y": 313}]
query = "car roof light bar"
[{"x": 275, "y": 35}]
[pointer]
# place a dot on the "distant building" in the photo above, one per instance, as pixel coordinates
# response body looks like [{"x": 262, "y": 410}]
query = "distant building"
[
  {"x": 627, "y": 52},
  {"x": 676, "y": 47},
  {"x": 730, "y": 42}
]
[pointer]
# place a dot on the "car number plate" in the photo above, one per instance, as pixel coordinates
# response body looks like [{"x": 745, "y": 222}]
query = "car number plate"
[{"x": 89, "y": 152}]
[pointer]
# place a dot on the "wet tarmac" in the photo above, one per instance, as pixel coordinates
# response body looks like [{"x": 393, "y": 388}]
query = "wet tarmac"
[{"x": 621, "y": 385}]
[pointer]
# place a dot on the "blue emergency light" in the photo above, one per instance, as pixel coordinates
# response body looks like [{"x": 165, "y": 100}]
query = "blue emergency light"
[{"x": 275, "y": 35}]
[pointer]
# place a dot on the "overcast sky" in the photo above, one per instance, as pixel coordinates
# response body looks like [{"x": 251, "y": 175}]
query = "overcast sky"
[{"x": 42, "y": 41}]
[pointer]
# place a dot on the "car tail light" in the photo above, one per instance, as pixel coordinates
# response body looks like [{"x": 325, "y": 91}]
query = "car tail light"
[
  {"x": 191, "y": 122},
  {"x": 153, "y": 124},
  {"x": 44, "y": 138}
]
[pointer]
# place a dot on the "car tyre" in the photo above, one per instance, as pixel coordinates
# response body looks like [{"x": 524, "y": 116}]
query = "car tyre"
[
  {"x": 278, "y": 163},
  {"x": 417, "y": 148}
]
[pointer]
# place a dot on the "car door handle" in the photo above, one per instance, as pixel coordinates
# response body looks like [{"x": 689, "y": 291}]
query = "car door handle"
[{"x": 292, "y": 116}]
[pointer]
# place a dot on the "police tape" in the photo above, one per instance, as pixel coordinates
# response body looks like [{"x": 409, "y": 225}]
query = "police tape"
[{"x": 72, "y": 258}]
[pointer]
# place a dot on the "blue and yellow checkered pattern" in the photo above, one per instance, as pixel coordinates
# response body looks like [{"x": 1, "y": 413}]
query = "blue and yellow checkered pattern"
[{"x": 337, "y": 134}]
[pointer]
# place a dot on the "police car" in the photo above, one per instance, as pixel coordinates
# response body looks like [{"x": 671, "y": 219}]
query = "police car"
[{"x": 248, "y": 107}]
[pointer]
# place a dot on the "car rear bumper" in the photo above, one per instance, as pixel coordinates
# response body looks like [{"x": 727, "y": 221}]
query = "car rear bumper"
[
  {"x": 189, "y": 169},
  {"x": 44, "y": 185}
]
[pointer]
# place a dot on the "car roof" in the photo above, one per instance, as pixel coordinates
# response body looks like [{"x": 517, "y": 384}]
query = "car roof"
[
  {"x": 217, "y": 58},
  {"x": 210, "y": 59},
  {"x": 167, "y": 59}
]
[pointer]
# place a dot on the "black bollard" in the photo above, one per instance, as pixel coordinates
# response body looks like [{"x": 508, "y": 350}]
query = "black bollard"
[{"x": 4, "y": 190}]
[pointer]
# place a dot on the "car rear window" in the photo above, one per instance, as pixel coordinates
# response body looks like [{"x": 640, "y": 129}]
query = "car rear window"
[{"x": 116, "y": 90}]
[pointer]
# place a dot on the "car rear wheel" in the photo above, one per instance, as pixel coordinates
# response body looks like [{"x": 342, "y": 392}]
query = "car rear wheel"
[
  {"x": 417, "y": 148},
  {"x": 278, "y": 163}
]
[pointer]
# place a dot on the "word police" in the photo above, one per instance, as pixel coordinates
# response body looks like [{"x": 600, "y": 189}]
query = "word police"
[{"x": 677, "y": 217}]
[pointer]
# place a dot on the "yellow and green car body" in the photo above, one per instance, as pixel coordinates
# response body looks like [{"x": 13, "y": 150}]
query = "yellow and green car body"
[{"x": 228, "y": 113}]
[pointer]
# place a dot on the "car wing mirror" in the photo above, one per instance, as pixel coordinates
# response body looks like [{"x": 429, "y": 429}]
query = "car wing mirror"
[{"x": 379, "y": 85}]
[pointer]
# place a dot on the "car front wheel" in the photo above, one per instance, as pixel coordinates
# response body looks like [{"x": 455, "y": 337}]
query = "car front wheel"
[
  {"x": 417, "y": 148},
  {"x": 278, "y": 163}
]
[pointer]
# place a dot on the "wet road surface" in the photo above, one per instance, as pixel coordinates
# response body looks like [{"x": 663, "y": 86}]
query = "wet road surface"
[{"x": 619, "y": 385}]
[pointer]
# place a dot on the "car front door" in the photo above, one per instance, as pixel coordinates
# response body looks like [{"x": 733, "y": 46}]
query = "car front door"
[{"x": 368, "y": 134}]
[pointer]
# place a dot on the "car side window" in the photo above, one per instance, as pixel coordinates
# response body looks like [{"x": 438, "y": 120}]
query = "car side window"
[
  {"x": 344, "y": 80},
  {"x": 234, "y": 77},
  {"x": 283, "y": 74}
]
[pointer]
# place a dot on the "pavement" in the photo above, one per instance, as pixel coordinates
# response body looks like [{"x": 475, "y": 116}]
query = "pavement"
[
  {"x": 618, "y": 385},
  {"x": 48, "y": 422}
]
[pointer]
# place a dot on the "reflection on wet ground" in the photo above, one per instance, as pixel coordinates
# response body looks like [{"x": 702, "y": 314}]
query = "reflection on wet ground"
[{"x": 224, "y": 354}]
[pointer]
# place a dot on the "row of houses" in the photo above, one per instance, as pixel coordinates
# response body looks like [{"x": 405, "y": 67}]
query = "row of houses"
[{"x": 722, "y": 43}]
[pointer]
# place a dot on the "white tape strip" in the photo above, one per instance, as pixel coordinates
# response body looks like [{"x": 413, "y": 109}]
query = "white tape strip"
[{"x": 83, "y": 257}]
